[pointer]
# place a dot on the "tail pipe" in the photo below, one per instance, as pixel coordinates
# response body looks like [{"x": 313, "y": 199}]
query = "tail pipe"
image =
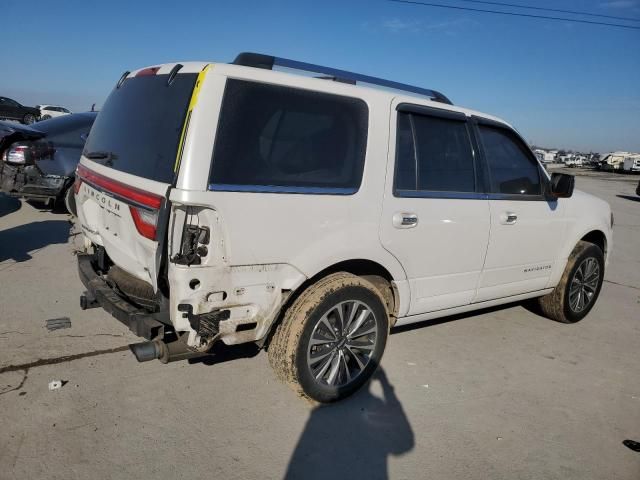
[{"x": 165, "y": 352}]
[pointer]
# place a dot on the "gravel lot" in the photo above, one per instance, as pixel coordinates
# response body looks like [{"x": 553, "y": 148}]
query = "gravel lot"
[{"x": 501, "y": 394}]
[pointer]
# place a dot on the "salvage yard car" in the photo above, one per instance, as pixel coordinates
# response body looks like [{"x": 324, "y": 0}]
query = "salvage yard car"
[
  {"x": 12, "y": 110},
  {"x": 39, "y": 162},
  {"x": 237, "y": 203},
  {"x": 52, "y": 111}
]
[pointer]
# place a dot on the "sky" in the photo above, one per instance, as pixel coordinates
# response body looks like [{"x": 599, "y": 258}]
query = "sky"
[{"x": 561, "y": 84}]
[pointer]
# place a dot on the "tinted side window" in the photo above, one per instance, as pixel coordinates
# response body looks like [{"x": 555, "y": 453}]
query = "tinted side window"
[
  {"x": 433, "y": 154},
  {"x": 511, "y": 168},
  {"x": 278, "y": 136}
]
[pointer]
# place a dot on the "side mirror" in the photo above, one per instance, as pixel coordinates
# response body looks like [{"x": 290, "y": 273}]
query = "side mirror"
[{"x": 562, "y": 185}]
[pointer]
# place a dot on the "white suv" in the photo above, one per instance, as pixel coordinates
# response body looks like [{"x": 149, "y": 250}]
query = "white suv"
[
  {"x": 52, "y": 111},
  {"x": 238, "y": 203}
]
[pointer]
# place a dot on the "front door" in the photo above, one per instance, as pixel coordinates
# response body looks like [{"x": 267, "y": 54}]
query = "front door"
[
  {"x": 527, "y": 228},
  {"x": 435, "y": 221}
]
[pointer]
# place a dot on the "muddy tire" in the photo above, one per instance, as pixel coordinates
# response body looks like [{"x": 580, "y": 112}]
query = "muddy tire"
[
  {"x": 578, "y": 289},
  {"x": 331, "y": 338}
]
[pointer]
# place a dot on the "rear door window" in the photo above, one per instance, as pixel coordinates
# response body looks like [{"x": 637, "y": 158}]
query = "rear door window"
[
  {"x": 279, "y": 138},
  {"x": 433, "y": 154},
  {"x": 138, "y": 129},
  {"x": 512, "y": 169}
]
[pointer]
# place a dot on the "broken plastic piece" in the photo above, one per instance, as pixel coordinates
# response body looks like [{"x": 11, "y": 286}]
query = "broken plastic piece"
[
  {"x": 58, "y": 323},
  {"x": 55, "y": 384}
]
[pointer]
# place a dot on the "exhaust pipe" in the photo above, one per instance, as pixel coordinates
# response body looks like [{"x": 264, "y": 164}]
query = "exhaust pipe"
[
  {"x": 147, "y": 351},
  {"x": 165, "y": 352}
]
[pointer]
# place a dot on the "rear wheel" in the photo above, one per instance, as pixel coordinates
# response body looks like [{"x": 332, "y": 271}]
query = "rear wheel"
[
  {"x": 331, "y": 338},
  {"x": 45, "y": 117},
  {"x": 70, "y": 201},
  {"x": 578, "y": 289},
  {"x": 28, "y": 119}
]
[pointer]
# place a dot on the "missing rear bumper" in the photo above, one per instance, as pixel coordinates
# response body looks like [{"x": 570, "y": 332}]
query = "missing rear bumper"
[{"x": 99, "y": 293}]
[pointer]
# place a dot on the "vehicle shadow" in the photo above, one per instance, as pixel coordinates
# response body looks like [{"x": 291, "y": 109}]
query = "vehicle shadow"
[
  {"x": 353, "y": 438},
  {"x": 629, "y": 197},
  {"x": 18, "y": 242},
  {"x": 55, "y": 208},
  {"x": 527, "y": 304},
  {"x": 9, "y": 205},
  {"x": 220, "y": 353}
]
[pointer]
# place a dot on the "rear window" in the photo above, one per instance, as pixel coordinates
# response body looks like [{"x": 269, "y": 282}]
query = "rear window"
[
  {"x": 285, "y": 139},
  {"x": 138, "y": 129}
]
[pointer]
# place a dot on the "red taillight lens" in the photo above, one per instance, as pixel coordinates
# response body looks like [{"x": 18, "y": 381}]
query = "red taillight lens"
[
  {"x": 144, "y": 212},
  {"x": 145, "y": 221},
  {"x": 147, "y": 71},
  {"x": 133, "y": 194}
]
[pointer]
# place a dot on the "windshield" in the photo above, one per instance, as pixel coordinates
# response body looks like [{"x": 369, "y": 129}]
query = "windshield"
[{"x": 139, "y": 126}]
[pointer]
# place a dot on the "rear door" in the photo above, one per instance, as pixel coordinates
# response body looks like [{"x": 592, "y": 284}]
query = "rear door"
[
  {"x": 129, "y": 163},
  {"x": 435, "y": 219},
  {"x": 527, "y": 229}
]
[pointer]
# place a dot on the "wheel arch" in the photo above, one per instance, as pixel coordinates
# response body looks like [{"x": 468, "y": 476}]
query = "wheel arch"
[
  {"x": 597, "y": 237},
  {"x": 390, "y": 288}
]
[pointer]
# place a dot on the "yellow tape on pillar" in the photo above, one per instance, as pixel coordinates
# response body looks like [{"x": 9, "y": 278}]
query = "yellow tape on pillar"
[{"x": 192, "y": 104}]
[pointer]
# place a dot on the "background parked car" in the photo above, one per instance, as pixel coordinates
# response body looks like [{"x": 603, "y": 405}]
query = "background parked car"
[
  {"x": 52, "y": 111},
  {"x": 40, "y": 162},
  {"x": 12, "y": 110}
]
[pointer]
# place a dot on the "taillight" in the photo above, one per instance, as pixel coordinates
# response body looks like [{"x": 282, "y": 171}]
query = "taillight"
[
  {"x": 18, "y": 154},
  {"x": 145, "y": 221},
  {"x": 24, "y": 153},
  {"x": 144, "y": 206},
  {"x": 147, "y": 71},
  {"x": 132, "y": 194}
]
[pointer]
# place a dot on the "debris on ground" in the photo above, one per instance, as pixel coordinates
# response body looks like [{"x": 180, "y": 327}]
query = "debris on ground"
[
  {"x": 58, "y": 323},
  {"x": 632, "y": 444},
  {"x": 56, "y": 384}
]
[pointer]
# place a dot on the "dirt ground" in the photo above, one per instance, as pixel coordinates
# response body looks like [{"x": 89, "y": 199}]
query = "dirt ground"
[{"x": 499, "y": 394}]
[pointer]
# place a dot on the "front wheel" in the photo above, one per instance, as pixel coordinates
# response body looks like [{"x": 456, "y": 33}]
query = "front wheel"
[
  {"x": 45, "y": 117},
  {"x": 331, "y": 338},
  {"x": 28, "y": 119},
  {"x": 578, "y": 289}
]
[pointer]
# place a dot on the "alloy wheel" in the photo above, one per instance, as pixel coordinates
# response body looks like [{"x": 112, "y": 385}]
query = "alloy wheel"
[
  {"x": 584, "y": 284},
  {"x": 342, "y": 343}
]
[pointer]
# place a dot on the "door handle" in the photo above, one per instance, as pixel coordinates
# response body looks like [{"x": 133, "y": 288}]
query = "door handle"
[
  {"x": 508, "y": 218},
  {"x": 405, "y": 220}
]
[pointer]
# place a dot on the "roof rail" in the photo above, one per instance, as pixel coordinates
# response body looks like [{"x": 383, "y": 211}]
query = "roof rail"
[{"x": 267, "y": 62}]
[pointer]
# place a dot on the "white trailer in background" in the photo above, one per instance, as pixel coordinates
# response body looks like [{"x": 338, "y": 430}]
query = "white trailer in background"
[
  {"x": 631, "y": 163},
  {"x": 614, "y": 161}
]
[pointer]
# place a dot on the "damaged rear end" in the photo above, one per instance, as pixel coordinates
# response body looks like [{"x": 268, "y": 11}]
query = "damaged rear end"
[
  {"x": 129, "y": 166},
  {"x": 39, "y": 163}
]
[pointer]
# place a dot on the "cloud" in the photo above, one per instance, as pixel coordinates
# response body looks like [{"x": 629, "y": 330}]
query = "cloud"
[
  {"x": 620, "y": 4},
  {"x": 397, "y": 25}
]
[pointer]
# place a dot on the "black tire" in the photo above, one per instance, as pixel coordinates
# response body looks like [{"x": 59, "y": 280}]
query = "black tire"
[
  {"x": 557, "y": 304},
  {"x": 28, "y": 119},
  {"x": 45, "y": 117},
  {"x": 70, "y": 201},
  {"x": 290, "y": 346}
]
